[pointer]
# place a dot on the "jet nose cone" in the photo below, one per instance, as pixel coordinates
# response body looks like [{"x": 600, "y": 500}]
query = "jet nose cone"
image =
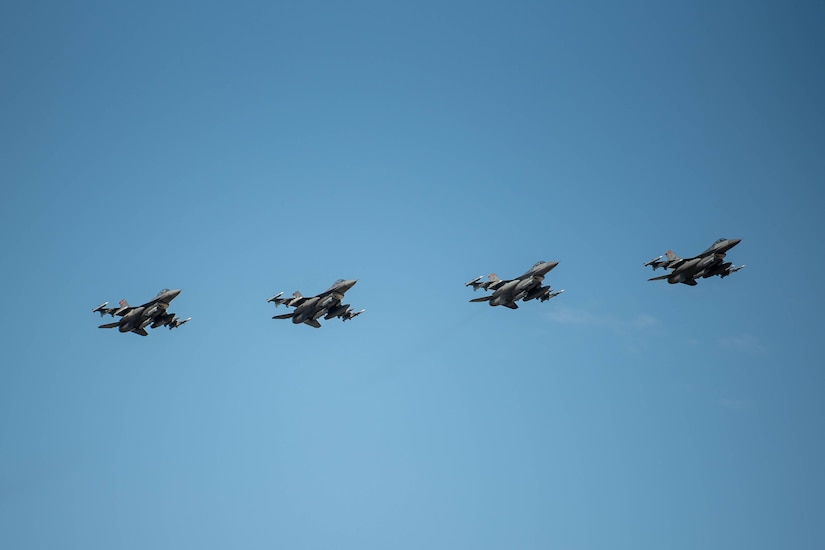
[
  {"x": 546, "y": 267},
  {"x": 727, "y": 244},
  {"x": 174, "y": 293},
  {"x": 348, "y": 284}
]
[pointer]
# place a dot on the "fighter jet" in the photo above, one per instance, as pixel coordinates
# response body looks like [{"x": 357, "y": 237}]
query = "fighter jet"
[
  {"x": 525, "y": 287},
  {"x": 152, "y": 314},
  {"x": 707, "y": 264},
  {"x": 327, "y": 305}
]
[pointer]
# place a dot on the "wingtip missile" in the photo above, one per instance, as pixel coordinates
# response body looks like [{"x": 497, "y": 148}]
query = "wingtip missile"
[
  {"x": 653, "y": 261},
  {"x": 175, "y": 322},
  {"x": 100, "y": 308},
  {"x": 352, "y": 315},
  {"x": 551, "y": 294},
  {"x": 275, "y": 298},
  {"x": 474, "y": 281}
]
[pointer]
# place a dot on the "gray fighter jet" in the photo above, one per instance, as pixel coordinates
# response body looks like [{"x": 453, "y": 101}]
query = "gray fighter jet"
[
  {"x": 707, "y": 264},
  {"x": 152, "y": 314},
  {"x": 327, "y": 305},
  {"x": 525, "y": 287}
]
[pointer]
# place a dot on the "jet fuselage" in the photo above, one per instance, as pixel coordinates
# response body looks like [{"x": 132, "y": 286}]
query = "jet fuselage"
[
  {"x": 327, "y": 304},
  {"x": 142, "y": 316},
  {"x": 707, "y": 264},
  {"x": 527, "y": 286}
]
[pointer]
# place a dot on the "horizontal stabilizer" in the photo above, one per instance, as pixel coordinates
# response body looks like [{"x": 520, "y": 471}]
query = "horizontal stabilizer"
[
  {"x": 511, "y": 305},
  {"x": 141, "y": 331},
  {"x": 313, "y": 323}
]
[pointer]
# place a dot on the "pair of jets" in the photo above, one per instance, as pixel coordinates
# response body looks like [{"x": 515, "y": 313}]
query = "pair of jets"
[
  {"x": 154, "y": 313},
  {"x": 328, "y": 304},
  {"x": 529, "y": 286}
]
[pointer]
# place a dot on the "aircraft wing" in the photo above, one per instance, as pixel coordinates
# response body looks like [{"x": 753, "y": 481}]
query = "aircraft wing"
[
  {"x": 492, "y": 283},
  {"x": 119, "y": 311},
  {"x": 478, "y": 283},
  {"x": 690, "y": 281},
  {"x": 656, "y": 263},
  {"x": 293, "y": 301}
]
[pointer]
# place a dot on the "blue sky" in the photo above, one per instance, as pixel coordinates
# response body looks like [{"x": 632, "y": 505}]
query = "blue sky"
[{"x": 238, "y": 151}]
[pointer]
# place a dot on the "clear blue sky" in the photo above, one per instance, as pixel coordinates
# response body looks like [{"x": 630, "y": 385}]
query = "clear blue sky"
[{"x": 240, "y": 149}]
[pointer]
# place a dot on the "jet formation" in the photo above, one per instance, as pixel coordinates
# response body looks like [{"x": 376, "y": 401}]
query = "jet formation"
[
  {"x": 707, "y": 264},
  {"x": 327, "y": 305},
  {"x": 152, "y": 314},
  {"x": 525, "y": 287},
  {"x": 504, "y": 292}
]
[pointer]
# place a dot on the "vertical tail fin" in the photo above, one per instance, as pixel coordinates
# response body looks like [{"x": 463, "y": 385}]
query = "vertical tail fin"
[
  {"x": 493, "y": 278},
  {"x": 672, "y": 256}
]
